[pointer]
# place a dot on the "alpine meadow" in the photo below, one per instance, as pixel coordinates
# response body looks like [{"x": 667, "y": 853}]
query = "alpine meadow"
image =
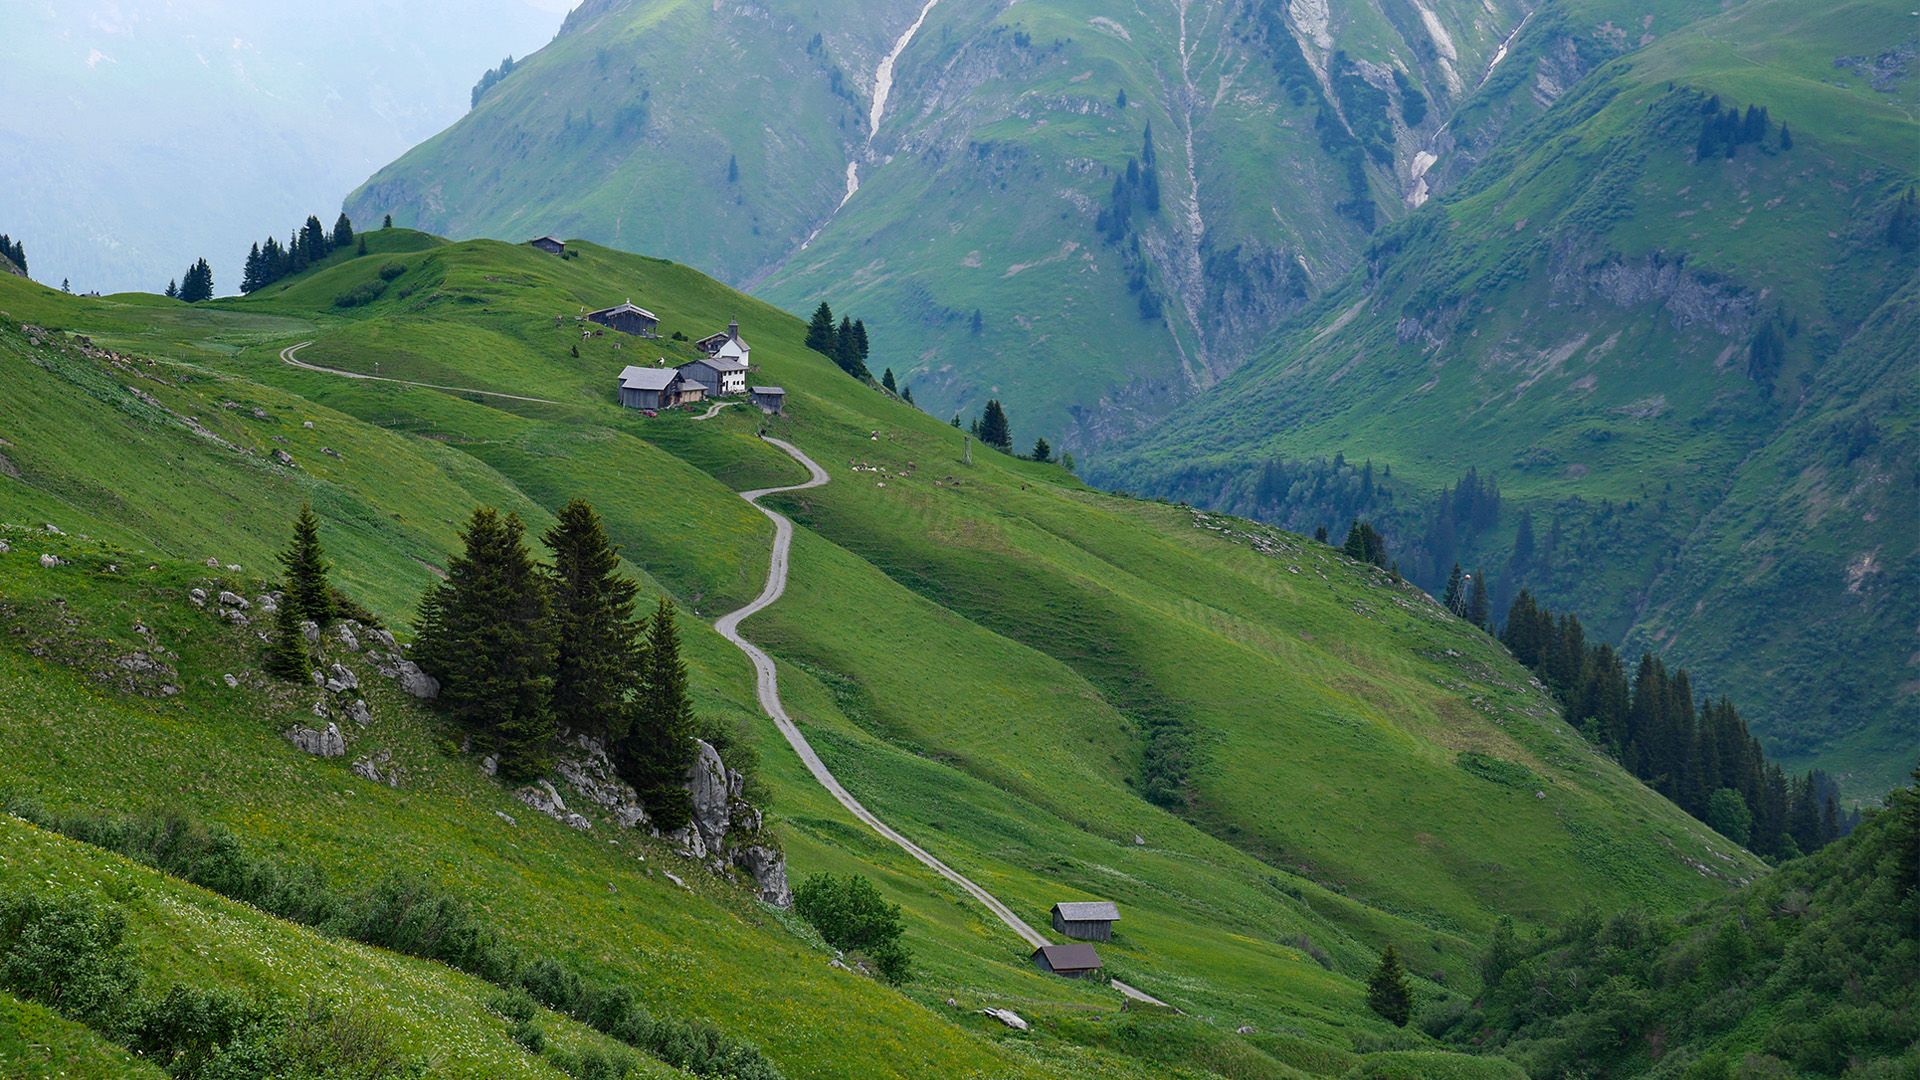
[{"x": 1204, "y": 539}]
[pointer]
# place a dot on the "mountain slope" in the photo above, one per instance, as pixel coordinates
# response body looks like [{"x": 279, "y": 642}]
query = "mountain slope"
[
  {"x": 1281, "y": 135},
  {"x": 1687, "y": 372},
  {"x": 1061, "y": 693}
]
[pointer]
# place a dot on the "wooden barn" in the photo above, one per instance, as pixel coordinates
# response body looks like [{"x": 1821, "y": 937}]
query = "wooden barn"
[
  {"x": 769, "y": 399},
  {"x": 1072, "y": 961},
  {"x": 628, "y": 319},
  {"x": 550, "y": 245},
  {"x": 1088, "y": 921},
  {"x": 657, "y": 388}
]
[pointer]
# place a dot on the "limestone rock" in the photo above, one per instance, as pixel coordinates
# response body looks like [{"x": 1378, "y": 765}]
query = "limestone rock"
[
  {"x": 489, "y": 765},
  {"x": 713, "y": 788},
  {"x": 235, "y": 616},
  {"x": 1243, "y": 1029},
  {"x": 542, "y": 797},
  {"x": 768, "y": 868},
  {"x": 382, "y": 638},
  {"x": 267, "y": 603},
  {"x": 328, "y": 743},
  {"x": 233, "y": 600},
  {"x": 1139, "y": 841},
  {"x": 51, "y": 561},
  {"x": 417, "y": 682},
  {"x": 359, "y": 713},
  {"x": 344, "y": 632},
  {"x": 5, "y": 547},
  {"x": 310, "y": 630},
  {"x": 1007, "y": 1017},
  {"x": 381, "y": 769},
  {"x": 198, "y": 597},
  {"x": 232, "y": 683},
  {"x": 504, "y": 816},
  {"x": 340, "y": 680},
  {"x": 587, "y": 767},
  {"x": 283, "y": 458}
]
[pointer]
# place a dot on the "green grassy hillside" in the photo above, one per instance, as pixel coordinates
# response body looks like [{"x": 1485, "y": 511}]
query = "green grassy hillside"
[
  {"x": 1282, "y": 135},
  {"x": 1278, "y": 762},
  {"x": 1691, "y": 373}
]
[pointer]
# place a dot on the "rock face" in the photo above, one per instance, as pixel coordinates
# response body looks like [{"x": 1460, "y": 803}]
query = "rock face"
[
  {"x": 340, "y": 680},
  {"x": 381, "y": 769},
  {"x": 587, "y": 767},
  {"x": 327, "y": 743},
  {"x": 725, "y": 828},
  {"x": 542, "y": 797}
]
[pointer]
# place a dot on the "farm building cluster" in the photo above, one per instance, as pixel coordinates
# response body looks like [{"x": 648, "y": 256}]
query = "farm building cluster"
[{"x": 719, "y": 372}]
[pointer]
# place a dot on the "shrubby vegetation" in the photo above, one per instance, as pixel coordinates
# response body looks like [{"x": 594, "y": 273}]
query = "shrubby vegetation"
[
  {"x": 852, "y": 915},
  {"x": 1827, "y": 949},
  {"x": 405, "y": 914}
]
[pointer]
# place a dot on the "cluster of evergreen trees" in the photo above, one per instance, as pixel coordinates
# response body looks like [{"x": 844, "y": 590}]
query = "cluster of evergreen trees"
[
  {"x": 14, "y": 251},
  {"x": 193, "y": 286},
  {"x": 1724, "y": 130},
  {"x": 845, "y": 344},
  {"x": 1136, "y": 188},
  {"x": 270, "y": 261},
  {"x": 524, "y": 650},
  {"x": 1699, "y": 753},
  {"x": 491, "y": 78}
]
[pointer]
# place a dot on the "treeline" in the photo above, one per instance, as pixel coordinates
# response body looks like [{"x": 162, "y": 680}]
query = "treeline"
[
  {"x": 845, "y": 344},
  {"x": 1699, "y": 754},
  {"x": 193, "y": 286},
  {"x": 416, "y": 917},
  {"x": 1725, "y": 129},
  {"x": 1827, "y": 948},
  {"x": 270, "y": 261},
  {"x": 13, "y": 251},
  {"x": 523, "y": 650},
  {"x": 993, "y": 429},
  {"x": 489, "y": 80}
]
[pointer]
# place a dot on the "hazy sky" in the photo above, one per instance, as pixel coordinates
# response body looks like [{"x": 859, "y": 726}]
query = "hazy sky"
[{"x": 137, "y": 135}]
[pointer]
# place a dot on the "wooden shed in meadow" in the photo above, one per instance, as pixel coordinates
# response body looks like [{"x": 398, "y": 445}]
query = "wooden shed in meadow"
[
  {"x": 1075, "y": 960},
  {"x": 627, "y": 318},
  {"x": 1087, "y": 920}
]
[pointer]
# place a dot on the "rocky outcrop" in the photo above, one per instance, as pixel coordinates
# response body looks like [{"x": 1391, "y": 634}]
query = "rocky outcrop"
[
  {"x": 542, "y": 797},
  {"x": 381, "y": 769},
  {"x": 327, "y": 743},
  {"x": 1689, "y": 298},
  {"x": 725, "y": 830}
]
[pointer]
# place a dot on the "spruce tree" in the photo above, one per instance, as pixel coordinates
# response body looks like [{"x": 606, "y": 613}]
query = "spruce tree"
[
  {"x": 387, "y": 222},
  {"x": 657, "y": 748},
  {"x": 173, "y": 290},
  {"x": 596, "y": 638},
  {"x": 845, "y": 352},
  {"x": 1042, "y": 451},
  {"x": 484, "y": 633},
  {"x": 994, "y": 429},
  {"x": 1480, "y": 608},
  {"x": 906, "y": 394},
  {"x": 1455, "y": 599},
  {"x": 860, "y": 340},
  {"x": 1387, "y": 991},
  {"x": 287, "y": 648},
  {"x": 250, "y": 274},
  {"x": 886, "y": 380},
  {"x": 308, "y": 592},
  {"x": 820, "y": 337},
  {"x": 314, "y": 238},
  {"x": 342, "y": 231}
]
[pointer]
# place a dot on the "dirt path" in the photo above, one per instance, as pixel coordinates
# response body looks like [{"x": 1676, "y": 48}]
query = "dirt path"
[
  {"x": 767, "y": 684},
  {"x": 715, "y": 410},
  {"x": 287, "y": 357}
]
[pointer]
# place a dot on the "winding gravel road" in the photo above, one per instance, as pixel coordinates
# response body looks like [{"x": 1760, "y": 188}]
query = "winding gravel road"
[
  {"x": 768, "y": 680},
  {"x": 767, "y": 684}
]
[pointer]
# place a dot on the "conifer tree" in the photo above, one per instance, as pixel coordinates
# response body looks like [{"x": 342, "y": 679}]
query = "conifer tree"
[
  {"x": 342, "y": 231},
  {"x": 173, "y": 290},
  {"x": 733, "y": 169},
  {"x": 287, "y": 648},
  {"x": 1320, "y": 534},
  {"x": 820, "y": 337},
  {"x": 308, "y": 592},
  {"x": 994, "y": 429},
  {"x": 845, "y": 352},
  {"x": 657, "y": 749},
  {"x": 1455, "y": 599},
  {"x": 1479, "y": 607},
  {"x": 250, "y": 273},
  {"x": 314, "y": 238},
  {"x": 1387, "y": 991},
  {"x": 484, "y": 634},
  {"x": 886, "y": 380},
  {"x": 387, "y": 222},
  {"x": 1042, "y": 451},
  {"x": 860, "y": 340},
  {"x": 596, "y": 638},
  {"x": 906, "y": 394}
]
